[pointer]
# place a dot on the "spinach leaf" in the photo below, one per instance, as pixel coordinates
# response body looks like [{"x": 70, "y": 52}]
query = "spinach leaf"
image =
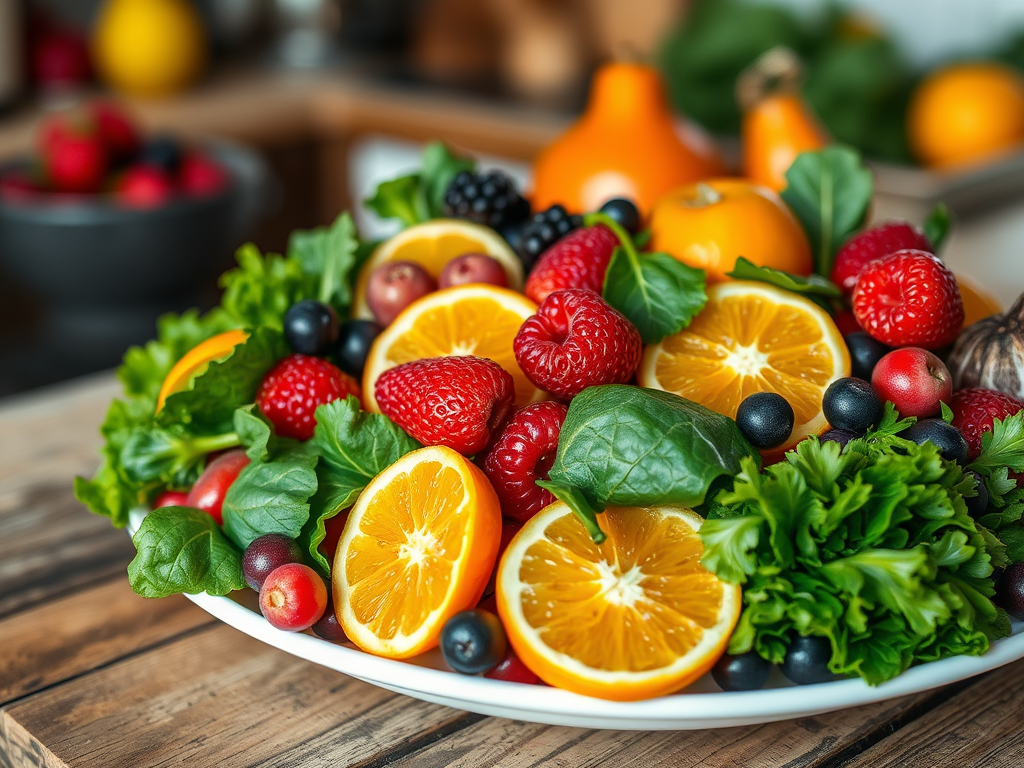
[
  {"x": 937, "y": 226},
  {"x": 657, "y": 293},
  {"x": 623, "y": 445},
  {"x": 209, "y": 406},
  {"x": 171, "y": 458},
  {"x": 271, "y": 496},
  {"x": 417, "y": 197},
  {"x": 818, "y": 289},
  {"x": 354, "y": 447},
  {"x": 329, "y": 253},
  {"x": 573, "y": 498},
  {"x": 182, "y": 550},
  {"x": 830, "y": 191},
  {"x": 262, "y": 288},
  {"x": 255, "y": 433}
]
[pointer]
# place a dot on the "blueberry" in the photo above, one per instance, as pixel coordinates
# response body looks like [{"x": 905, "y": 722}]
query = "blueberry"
[
  {"x": 765, "y": 419},
  {"x": 1010, "y": 592},
  {"x": 851, "y": 405},
  {"x": 354, "y": 341},
  {"x": 745, "y": 672},
  {"x": 806, "y": 661},
  {"x": 473, "y": 642},
  {"x": 311, "y": 327},
  {"x": 163, "y": 152},
  {"x": 623, "y": 212},
  {"x": 865, "y": 352},
  {"x": 951, "y": 443},
  {"x": 838, "y": 436},
  {"x": 977, "y": 505}
]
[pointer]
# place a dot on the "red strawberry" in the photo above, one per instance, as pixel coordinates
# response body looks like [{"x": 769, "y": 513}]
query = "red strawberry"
[
  {"x": 873, "y": 244},
  {"x": 576, "y": 340},
  {"x": 294, "y": 388},
  {"x": 201, "y": 175},
  {"x": 74, "y": 157},
  {"x": 973, "y": 412},
  {"x": 909, "y": 299},
  {"x": 116, "y": 130},
  {"x": 523, "y": 454},
  {"x": 143, "y": 186},
  {"x": 460, "y": 402},
  {"x": 578, "y": 260}
]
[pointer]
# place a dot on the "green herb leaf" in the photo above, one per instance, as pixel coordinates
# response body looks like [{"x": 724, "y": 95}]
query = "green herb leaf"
[
  {"x": 329, "y": 254},
  {"x": 657, "y": 293},
  {"x": 262, "y": 288},
  {"x": 1002, "y": 447},
  {"x": 417, "y": 197},
  {"x": 271, "y": 496},
  {"x": 947, "y": 412},
  {"x": 625, "y": 445},
  {"x": 818, "y": 289},
  {"x": 354, "y": 447},
  {"x": 209, "y": 406},
  {"x": 730, "y": 545},
  {"x": 937, "y": 226},
  {"x": 830, "y": 192},
  {"x": 169, "y": 458},
  {"x": 573, "y": 498},
  {"x": 182, "y": 550}
]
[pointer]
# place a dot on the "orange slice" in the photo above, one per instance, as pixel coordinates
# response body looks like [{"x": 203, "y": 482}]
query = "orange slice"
[
  {"x": 433, "y": 244},
  {"x": 978, "y": 303},
  {"x": 196, "y": 360},
  {"x": 635, "y": 617},
  {"x": 418, "y": 547},
  {"x": 752, "y": 337},
  {"x": 475, "y": 319}
]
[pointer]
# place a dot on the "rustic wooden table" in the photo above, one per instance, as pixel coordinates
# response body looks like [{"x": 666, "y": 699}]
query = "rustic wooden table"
[{"x": 93, "y": 675}]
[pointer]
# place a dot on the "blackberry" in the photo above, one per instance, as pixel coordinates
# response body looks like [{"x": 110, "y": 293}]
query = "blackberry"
[
  {"x": 487, "y": 198},
  {"x": 542, "y": 231}
]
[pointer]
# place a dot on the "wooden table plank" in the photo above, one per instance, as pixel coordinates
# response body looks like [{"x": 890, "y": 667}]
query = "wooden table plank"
[
  {"x": 814, "y": 741},
  {"x": 979, "y": 727},
  {"x": 81, "y": 632},
  {"x": 217, "y": 697}
]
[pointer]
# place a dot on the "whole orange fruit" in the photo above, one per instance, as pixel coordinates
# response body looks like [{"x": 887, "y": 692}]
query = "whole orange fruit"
[
  {"x": 965, "y": 113},
  {"x": 626, "y": 144},
  {"x": 712, "y": 223}
]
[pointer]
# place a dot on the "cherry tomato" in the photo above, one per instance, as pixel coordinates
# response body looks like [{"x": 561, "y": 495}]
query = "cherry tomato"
[
  {"x": 171, "y": 499},
  {"x": 212, "y": 486}
]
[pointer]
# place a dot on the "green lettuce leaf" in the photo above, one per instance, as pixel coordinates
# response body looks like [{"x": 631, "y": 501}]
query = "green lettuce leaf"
[
  {"x": 262, "y": 288},
  {"x": 330, "y": 254},
  {"x": 417, "y": 197}
]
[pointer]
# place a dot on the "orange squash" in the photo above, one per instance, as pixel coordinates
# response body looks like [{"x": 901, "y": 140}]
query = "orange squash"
[
  {"x": 777, "y": 123},
  {"x": 627, "y": 144}
]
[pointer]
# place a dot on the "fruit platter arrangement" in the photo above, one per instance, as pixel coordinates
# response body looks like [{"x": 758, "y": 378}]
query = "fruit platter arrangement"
[
  {"x": 97, "y": 153},
  {"x": 611, "y": 451}
]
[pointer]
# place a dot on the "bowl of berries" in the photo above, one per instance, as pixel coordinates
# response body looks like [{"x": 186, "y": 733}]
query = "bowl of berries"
[{"x": 101, "y": 215}]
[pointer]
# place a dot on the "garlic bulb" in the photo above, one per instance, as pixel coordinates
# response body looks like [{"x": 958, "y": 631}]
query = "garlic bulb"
[{"x": 990, "y": 353}]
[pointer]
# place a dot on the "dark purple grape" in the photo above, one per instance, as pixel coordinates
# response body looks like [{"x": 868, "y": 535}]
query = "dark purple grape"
[
  {"x": 1010, "y": 592},
  {"x": 329, "y": 628},
  {"x": 394, "y": 286},
  {"x": 266, "y": 553},
  {"x": 838, "y": 436}
]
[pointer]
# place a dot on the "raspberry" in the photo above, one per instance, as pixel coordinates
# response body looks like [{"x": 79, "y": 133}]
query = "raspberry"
[
  {"x": 489, "y": 198},
  {"x": 455, "y": 401},
  {"x": 576, "y": 340},
  {"x": 973, "y": 412},
  {"x": 876, "y": 243},
  {"x": 544, "y": 229},
  {"x": 578, "y": 260},
  {"x": 293, "y": 389},
  {"x": 909, "y": 299},
  {"x": 524, "y": 453}
]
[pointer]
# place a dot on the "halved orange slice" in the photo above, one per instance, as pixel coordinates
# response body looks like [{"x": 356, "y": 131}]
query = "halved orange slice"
[
  {"x": 474, "y": 319},
  {"x": 196, "y": 360},
  {"x": 752, "y": 337},
  {"x": 418, "y": 547},
  {"x": 635, "y": 617},
  {"x": 433, "y": 244}
]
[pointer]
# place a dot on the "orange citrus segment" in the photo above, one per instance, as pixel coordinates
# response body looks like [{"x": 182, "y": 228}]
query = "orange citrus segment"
[
  {"x": 752, "y": 337},
  {"x": 433, "y": 244},
  {"x": 418, "y": 547},
  {"x": 476, "y": 319},
  {"x": 978, "y": 303},
  {"x": 635, "y": 617},
  {"x": 196, "y": 361}
]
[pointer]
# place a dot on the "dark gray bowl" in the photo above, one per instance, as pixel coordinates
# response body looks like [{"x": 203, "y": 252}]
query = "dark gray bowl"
[{"x": 89, "y": 252}]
